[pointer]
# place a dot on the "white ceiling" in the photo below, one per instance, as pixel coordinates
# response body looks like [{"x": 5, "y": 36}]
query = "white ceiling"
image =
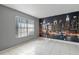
[{"x": 44, "y": 10}]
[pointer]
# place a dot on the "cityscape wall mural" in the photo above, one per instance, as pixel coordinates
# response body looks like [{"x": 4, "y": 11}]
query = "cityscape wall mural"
[{"x": 61, "y": 27}]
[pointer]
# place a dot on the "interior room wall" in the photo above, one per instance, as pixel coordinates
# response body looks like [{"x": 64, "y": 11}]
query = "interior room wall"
[
  {"x": 8, "y": 27},
  {"x": 62, "y": 27}
]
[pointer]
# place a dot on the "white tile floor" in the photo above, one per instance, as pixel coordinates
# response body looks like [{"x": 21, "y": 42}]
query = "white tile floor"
[
  {"x": 27, "y": 48},
  {"x": 42, "y": 47},
  {"x": 21, "y": 49}
]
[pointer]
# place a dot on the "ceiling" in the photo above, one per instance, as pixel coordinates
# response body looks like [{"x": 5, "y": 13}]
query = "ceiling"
[{"x": 44, "y": 10}]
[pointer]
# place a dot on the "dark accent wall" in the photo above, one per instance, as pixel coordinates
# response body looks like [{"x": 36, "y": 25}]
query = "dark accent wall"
[{"x": 62, "y": 27}]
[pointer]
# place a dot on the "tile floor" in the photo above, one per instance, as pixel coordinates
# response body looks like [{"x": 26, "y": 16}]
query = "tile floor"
[{"x": 42, "y": 46}]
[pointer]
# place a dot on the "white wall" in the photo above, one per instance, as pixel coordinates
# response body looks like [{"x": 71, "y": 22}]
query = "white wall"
[{"x": 8, "y": 27}]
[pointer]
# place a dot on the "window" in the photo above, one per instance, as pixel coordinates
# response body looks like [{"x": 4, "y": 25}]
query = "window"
[
  {"x": 24, "y": 27},
  {"x": 30, "y": 27},
  {"x": 21, "y": 26}
]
